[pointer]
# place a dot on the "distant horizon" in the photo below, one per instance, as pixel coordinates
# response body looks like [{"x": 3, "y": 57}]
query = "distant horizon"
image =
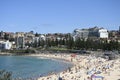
[
  {"x": 61, "y": 16},
  {"x": 59, "y": 32}
]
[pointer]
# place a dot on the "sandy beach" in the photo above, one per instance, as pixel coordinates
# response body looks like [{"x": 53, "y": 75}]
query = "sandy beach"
[{"x": 85, "y": 68}]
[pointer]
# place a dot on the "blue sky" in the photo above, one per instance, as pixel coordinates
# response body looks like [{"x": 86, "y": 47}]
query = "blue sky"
[{"x": 63, "y": 16}]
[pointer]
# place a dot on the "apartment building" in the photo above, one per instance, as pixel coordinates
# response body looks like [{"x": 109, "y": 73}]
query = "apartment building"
[{"x": 94, "y": 32}]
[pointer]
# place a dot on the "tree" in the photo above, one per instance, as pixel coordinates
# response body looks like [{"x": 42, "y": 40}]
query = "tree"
[
  {"x": 42, "y": 43},
  {"x": 35, "y": 44},
  {"x": 48, "y": 43},
  {"x": 11, "y": 39},
  {"x": 53, "y": 43},
  {"x": 6, "y": 36},
  {"x": 70, "y": 43},
  {"x": 88, "y": 44},
  {"x": 36, "y": 34},
  {"x": 56, "y": 42}
]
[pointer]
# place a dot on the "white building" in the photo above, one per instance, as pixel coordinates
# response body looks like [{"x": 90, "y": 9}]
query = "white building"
[
  {"x": 94, "y": 32},
  {"x": 43, "y": 37},
  {"x": 103, "y": 33},
  {"x": 5, "y": 45}
]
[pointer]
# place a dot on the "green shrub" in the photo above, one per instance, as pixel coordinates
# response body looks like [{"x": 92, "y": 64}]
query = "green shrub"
[{"x": 5, "y": 75}]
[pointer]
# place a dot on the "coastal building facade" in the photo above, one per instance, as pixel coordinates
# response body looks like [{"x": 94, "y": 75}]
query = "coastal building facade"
[
  {"x": 103, "y": 33},
  {"x": 5, "y": 45},
  {"x": 81, "y": 33},
  {"x": 94, "y": 32}
]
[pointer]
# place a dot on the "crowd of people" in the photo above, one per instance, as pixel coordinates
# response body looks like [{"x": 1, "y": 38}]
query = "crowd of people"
[{"x": 85, "y": 68}]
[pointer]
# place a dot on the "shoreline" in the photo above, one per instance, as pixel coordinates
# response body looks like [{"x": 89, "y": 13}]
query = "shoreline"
[
  {"x": 57, "y": 57},
  {"x": 84, "y": 67},
  {"x": 39, "y": 56}
]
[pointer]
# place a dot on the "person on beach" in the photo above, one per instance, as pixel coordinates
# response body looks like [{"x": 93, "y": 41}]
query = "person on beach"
[
  {"x": 69, "y": 69},
  {"x": 59, "y": 78},
  {"x": 89, "y": 78}
]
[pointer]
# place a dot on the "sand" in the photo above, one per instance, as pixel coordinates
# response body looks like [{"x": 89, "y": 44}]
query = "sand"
[{"x": 85, "y": 68}]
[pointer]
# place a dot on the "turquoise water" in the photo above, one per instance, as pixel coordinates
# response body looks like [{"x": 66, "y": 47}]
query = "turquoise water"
[{"x": 31, "y": 67}]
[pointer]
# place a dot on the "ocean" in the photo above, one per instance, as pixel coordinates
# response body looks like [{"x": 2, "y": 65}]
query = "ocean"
[{"x": 27, "y": 67}]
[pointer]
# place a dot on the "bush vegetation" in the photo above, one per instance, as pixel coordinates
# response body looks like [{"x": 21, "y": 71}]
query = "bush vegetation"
[{"x": 5, "y": 75}]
